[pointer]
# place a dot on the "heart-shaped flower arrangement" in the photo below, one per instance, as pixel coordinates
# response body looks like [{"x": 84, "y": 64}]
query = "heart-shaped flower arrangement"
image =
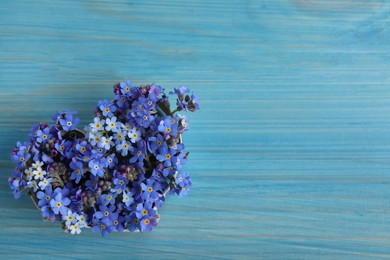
[{"x": 116, "y": 175}]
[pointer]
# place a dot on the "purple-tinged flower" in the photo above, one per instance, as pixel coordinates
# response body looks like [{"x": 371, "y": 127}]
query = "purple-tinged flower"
[
  {"x": 104, "y": 226},
  {"x": 120, "y": 182},
  {"x": 78, "y": 171},
  {"x": 59, "y": 204}
]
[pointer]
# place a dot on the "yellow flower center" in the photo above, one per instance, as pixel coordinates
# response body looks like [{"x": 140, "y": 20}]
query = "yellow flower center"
[
  {"x": 58, "y": 204},
  {"x": 21, "y": 159},
  {"x": 83, "y": 149},
  {"x": 168, "y": 129},
  {"x": 68, "y": 123},
  {"x": 102, "y": 226},
  {"x": 144, "y": 212},
  {"x": 150, "y": 189},
  {"x": 146, "y": 221},
  {"x": 107, "y": 110},
  {"x": 167, "y": 156},
  {"x": 44, "y": 136},
  {"x": 106, "y": 213}
]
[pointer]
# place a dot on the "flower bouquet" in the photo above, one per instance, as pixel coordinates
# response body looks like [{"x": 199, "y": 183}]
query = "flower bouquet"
[{"x": 117, "y": 173}]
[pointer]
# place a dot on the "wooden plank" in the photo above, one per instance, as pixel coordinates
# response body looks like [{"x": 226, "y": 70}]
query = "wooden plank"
[{"x": 289, "y": 153}]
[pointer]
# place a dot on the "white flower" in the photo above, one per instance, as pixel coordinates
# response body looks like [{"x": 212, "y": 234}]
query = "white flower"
[
  {"x": 81, "y": 221},
  {"x": 39, "y": 174},
  {"x": 119, "y": 137},
  {"x": 44, "y": 183},
  {"x": 94, "y": 139},
  {"x": 33, "y": 185},
  {"x": 69, "y": 218},
  {"x": 112, "y": 124},
  {"x": 134, "y": 135},
  {"x": 29, "y": 173},
  {"x": 75, "y": 229},
  {"x": 123, "y": 148},
  {"x": 97, "y": 125},
  {"x": 105, "y": 142},
  {"x": 37, "y": 164}
]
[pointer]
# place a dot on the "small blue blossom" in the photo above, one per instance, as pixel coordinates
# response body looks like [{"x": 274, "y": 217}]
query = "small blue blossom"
[
  {"x": 68, "y": 122},
  {"x": 104, "y": 226},
  {"x": 107, "y": 108},
  {"x": 127, "y": 198},
  {"x": 59, "y": 204},
  {"x": 78, "y": 172},
  {"x": 168, "y": 126},
  {"x": 120, "y": 182}
]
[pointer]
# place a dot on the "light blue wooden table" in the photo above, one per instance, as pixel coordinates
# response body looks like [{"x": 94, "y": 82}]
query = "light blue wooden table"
[{"x": 290, "y": 153}]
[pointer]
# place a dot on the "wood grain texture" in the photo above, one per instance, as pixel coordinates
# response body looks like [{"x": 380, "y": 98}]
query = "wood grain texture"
[{"x": 289, "y": 153}]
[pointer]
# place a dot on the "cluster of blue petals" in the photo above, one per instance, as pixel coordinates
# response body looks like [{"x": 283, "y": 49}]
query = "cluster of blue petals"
[{"x": 114, "y": 175}]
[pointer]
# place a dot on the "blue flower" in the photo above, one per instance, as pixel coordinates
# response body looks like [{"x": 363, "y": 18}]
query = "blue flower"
[
  {"x": 112, "y": 161},
  {"x": 120, "y": 182},
  {"x": 97, "y": 165},
  {"x": 107, "y": 108},
  {"x": 183, "y": 182},
  {"x": 166, "y": 155},
  {"x": 125, "y": 87},
  {"x": 138, "y": 154},
  {"x": 103, "y": 225},
  {"x": 147, "y": 224},
  {"x": 127, "y": 198},
  {"x": 21, "y": 157},
  {"x": 78, "y": 172},
  {"x": 155, "y": 142},
  {"x": 68, "y": 122},
  {"x": 59, "y": 204},
  {"x": 124, "y": 148},
  {"x": 44, "y": 197},
  {"x": 145, "y": 210},
  {"x": 106, "y": 212},
  {"x": 133, "y": 222},
  {"x": 43, "y": 135},
  {"x": 108, "y": 198},
  {"x": 168, "y": 126},
  {"x": 150, "y": 190}
]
